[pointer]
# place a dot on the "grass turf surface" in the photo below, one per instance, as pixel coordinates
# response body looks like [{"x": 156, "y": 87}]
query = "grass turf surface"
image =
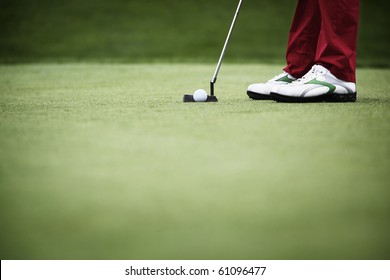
[{"x": 102, "y": 161}]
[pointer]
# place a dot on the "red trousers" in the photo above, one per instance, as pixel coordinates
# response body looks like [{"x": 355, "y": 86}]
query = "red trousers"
[{"x": 324, "y": 32}]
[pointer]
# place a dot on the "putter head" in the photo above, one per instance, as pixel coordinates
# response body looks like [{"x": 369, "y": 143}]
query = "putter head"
[{"x": 190, "y": 98}]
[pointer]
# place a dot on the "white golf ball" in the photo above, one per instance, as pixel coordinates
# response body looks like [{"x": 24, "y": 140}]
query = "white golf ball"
[{"x": 200, "y": 95}]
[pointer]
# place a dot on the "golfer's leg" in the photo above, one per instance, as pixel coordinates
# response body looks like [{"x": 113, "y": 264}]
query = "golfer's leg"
[
  {"x": 303, "y": 38},
  {"x": 337, "y": 43}
]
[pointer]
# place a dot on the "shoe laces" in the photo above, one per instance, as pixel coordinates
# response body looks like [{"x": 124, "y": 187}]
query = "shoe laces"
[{"x": 312, "y": 74}]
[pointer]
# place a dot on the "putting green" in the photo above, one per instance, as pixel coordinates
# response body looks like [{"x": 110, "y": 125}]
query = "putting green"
[{"x": 101, "y": 161}]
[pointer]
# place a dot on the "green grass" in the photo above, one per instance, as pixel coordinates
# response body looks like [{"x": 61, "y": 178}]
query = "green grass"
[
  {"x": 169, "y": 30},
  {"x": 102, "y": 161}
]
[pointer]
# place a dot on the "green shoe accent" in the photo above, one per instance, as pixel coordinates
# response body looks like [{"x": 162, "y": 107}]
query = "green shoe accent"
[
  {"x": 331, "y": 87},
  {"x": 285, "y": 79}
]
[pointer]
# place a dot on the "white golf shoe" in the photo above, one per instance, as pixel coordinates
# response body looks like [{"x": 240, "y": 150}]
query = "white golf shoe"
[
  {"x": 316, "y": 86},
  {"x": 262, "y": 91}
]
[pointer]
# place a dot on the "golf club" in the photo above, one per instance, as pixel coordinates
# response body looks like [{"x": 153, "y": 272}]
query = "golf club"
[{"x": 212, "y": 97}]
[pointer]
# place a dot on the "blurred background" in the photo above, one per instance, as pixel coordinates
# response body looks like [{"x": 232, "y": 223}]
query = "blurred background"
[{"x": 166, "y": 31}]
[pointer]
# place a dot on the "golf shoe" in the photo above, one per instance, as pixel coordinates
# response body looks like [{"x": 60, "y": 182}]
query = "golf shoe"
[{"x": 319, "y": 84}]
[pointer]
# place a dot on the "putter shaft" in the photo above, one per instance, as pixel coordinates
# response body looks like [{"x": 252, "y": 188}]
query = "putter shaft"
[{"x": 214, "y": 78}]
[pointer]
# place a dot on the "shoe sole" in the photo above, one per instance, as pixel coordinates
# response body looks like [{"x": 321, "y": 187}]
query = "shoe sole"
[
  {"x": 334, "y": 97},
  {"x": 258, "y": 96}
]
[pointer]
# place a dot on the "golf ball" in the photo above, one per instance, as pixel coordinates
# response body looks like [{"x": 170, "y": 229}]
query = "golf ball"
[{"x": 200, "y": 95}]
